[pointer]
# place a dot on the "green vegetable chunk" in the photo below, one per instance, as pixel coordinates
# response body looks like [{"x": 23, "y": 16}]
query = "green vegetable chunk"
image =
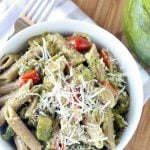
[
  {"x": 122, "y": 104},
  {"x": 119, "y": 121},
  {"x": 82, "y": 73},
  {"x": 44, "y": 128},
  {"x": 8, "y": 134}
]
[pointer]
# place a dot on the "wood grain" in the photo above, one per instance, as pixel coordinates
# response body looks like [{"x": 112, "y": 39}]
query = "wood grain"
[
  {"x": 108, "y": 14},
  {"x": 141, "y": 139}
]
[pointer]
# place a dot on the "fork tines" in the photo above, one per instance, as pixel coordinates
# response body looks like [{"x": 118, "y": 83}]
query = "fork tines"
[{"x": 37, "y": 11}]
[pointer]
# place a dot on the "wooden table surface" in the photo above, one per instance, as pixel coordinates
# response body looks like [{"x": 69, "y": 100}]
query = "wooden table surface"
[{"x": 108, "y": 14}]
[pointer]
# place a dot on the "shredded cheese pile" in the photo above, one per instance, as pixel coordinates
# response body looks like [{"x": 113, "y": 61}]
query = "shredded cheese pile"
[{"x": 71, "y": 101}]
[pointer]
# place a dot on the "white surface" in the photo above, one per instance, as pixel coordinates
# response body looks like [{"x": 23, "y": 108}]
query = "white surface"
[
  {"x": 104, "y": 39},
  {"x": 38, "y": 11},
  {"x": 10, "y": 11}
]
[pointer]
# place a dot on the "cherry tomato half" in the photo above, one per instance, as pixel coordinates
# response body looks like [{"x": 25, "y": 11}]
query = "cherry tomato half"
[
  {"x": 32, "y": 74},
  {"x": 79, "y": 43}
]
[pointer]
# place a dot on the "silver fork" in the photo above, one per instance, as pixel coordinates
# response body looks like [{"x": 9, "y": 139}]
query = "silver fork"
[{"x": 37, "y": 11}]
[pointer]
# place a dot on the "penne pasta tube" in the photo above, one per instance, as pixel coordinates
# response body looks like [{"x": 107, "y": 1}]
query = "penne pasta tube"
[
  {"x": 5, "y": 98},
  {"x": 11, "y": 73},
  {"x": 20, "y": 129},
  {"x": 7, "y": 60},
  {"x": 94, "y": 132},
  {"x": 93, "y": 61},
  {"x": 21, "y": 97},
  {"x": 109, "y": 129},
  {"x": 30, "y": 111},
  {"x": 7, "y": 88},
  {"x": 2, "y": 118},
  {"x": 92, "y": 122},
  {"x": 19, "y": 144}
]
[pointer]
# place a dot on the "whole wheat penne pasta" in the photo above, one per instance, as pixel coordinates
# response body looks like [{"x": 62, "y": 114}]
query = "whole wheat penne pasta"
[
  {"x": 20, "y": 129},
  {"x": 2, "y": 118},
  {"x": 95, "y": 117},
  {"x": 95, "y": 132},
  {"x": 11, "y": 73},
  {"x": 21, "y": 97},
  {"x": 19, "y": 144},
  {"x": 29, "y": 112},
  {"x": 94, "y": 63},
  {"x": 7, "y": 88},
  {"x": 5, "y": 98},
  {"x": 109, "y": 129},
  {"x": 7, "y": 60}
]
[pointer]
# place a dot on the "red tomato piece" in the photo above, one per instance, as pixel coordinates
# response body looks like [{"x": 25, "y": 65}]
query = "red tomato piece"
[
  {"x": 106, "y": 58},
  {"x": 79, "y": 43},
  {"x": 31, "y": 74}
]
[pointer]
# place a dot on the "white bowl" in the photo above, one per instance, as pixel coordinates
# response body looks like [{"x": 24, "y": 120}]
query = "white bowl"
[{"x": 104, "y": 39}]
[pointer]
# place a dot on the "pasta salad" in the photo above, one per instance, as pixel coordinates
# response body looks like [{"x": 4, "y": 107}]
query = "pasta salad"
[{"x": 62, "y": 93}]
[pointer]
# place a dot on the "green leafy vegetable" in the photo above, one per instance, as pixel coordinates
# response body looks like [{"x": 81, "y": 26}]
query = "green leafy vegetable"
[
  {"x": 119, "y": 121},
  {"x": 44, "y": 128}
]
